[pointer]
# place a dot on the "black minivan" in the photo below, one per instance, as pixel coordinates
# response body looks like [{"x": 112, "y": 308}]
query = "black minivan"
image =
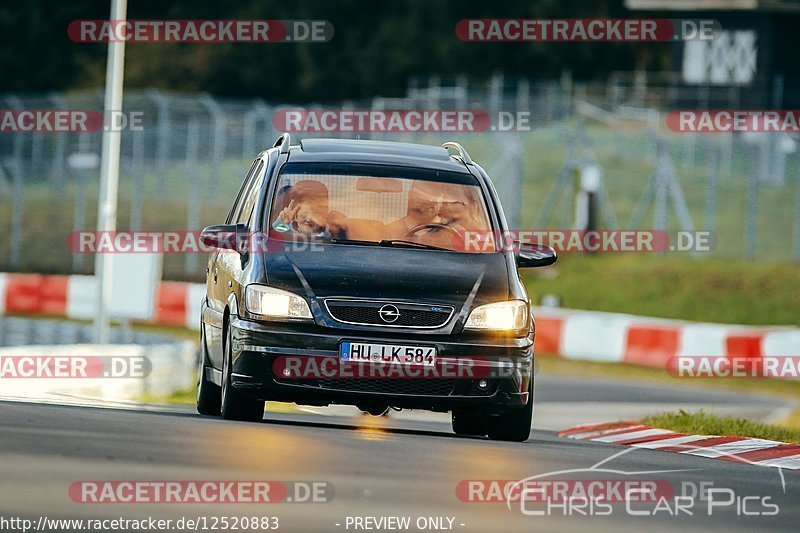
[{"x": 369, "y": 273}]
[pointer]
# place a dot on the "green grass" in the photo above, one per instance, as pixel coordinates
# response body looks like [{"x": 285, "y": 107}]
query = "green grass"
[
  {"x": 792, "y": 420},
  {"x": 701, "y": 423},
  {"x": 710, "y": 290},
  {"x": 171, "y": 331},
  {"x": 185, "y": 396}
]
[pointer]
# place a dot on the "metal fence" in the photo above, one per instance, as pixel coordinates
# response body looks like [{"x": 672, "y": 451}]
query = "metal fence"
[{"x": 181, "y": 171}]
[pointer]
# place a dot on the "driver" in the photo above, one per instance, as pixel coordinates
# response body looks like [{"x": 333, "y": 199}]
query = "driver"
[
  {"x": 424, "y": 201},
  {"x": 457, "y": 208}
]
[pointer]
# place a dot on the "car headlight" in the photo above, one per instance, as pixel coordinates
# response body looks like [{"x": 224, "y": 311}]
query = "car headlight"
[
  {"x": 270, "y": 302},
  {"x": 501, "y": 316}
]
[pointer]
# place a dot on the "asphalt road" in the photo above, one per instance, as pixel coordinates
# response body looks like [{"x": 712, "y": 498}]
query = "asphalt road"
[{"x": 376, "y": 467}]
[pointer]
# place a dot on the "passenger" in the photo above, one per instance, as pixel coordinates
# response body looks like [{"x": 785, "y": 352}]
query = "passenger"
[
  {"x": 307, "y": 211},
  {"x": 282, "y": 198}
]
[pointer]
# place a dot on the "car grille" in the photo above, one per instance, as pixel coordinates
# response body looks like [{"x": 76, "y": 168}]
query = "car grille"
[
  {"x": 416, "y": 387},
  {"x": 368, "y": 313}
]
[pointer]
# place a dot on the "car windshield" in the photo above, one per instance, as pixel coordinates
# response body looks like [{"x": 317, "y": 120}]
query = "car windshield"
[{"x": 379, "y": 205}]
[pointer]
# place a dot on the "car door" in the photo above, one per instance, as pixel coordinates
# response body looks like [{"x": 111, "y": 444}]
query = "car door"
[
  {"x": 230, "y": 263},
  {"x": 216, "y": 294}
]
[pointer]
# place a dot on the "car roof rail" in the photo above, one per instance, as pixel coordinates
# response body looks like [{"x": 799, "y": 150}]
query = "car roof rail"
[
  {"x": 283, "y": 143},
  {"x": 462, "y": 153}
]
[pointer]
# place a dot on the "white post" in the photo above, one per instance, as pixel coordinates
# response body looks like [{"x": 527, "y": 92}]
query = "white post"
[{"x": 109, "y": 170}]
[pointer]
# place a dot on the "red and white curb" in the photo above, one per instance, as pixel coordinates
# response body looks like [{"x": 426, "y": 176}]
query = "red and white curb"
[
  {"x": 759, "y": 452},
  {"x": 652, "y": 342}
]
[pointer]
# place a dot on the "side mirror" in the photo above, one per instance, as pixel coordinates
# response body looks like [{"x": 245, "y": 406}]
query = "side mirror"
[
  {"x": 535, "y": 255},
  {"x": 225, "y": 237}
]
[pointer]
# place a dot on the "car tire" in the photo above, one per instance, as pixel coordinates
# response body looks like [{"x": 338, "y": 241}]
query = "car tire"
[
  {"x": 469, "y": 423},
  {"x": 234, "y": 404},
  {"x": 514, "y": 426},
  {"x": 209, "y": 395}
]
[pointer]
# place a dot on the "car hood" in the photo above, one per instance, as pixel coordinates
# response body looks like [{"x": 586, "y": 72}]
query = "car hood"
[{"x": 401, "y": 274}]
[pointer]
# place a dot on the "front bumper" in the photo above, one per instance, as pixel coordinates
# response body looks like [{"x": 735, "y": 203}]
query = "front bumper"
[{"x": 504, "y": 362}]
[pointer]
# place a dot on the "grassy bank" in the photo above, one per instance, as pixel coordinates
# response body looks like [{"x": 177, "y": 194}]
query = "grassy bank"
[
  {"x": 701, "y": 423},
  {"x": 674, "y": 286}
]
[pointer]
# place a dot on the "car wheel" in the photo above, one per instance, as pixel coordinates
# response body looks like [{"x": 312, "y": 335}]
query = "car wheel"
[
  {"x": 469, "y": 423},
  {"x": 209, "y": 395},
  {"x": 514, "y": 426},
  {"x": 235, "y": 405}
]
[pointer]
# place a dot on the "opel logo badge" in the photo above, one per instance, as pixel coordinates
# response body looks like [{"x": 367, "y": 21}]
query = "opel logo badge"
[{"x": 389, "y": 313}]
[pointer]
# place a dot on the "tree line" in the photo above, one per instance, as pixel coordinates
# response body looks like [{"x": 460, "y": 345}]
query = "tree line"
[{"x": 376, "y": 48}]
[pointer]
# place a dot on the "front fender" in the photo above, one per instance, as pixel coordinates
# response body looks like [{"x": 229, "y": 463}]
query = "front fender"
[{"x": 233, "y": 304}]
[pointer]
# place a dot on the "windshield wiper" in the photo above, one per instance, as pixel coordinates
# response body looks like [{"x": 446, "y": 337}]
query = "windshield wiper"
[
  {"x": 400, "y": 243},
  {"x": 389, "y": 243},
  {"x": 354, "y": 241}
]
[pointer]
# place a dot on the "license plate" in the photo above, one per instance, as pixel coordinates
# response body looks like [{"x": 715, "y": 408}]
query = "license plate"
[{"x": 364, "y": 352}]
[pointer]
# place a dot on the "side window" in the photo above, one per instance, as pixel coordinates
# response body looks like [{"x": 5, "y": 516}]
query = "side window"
[
  {"x": 243, "y": 216},
  {"x": 240, "y": 197}
]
